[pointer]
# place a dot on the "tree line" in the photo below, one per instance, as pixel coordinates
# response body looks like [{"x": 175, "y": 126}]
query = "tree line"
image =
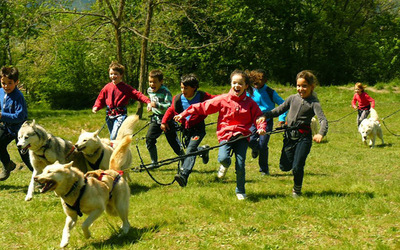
[{"x": 63, "y": 53}]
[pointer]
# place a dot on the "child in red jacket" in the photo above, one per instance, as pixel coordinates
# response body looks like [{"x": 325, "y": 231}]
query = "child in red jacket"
[
  {"x": 115, "y": 96},
  {"x": 237, "y": 112},
  {"x": 365, "y": 102}
]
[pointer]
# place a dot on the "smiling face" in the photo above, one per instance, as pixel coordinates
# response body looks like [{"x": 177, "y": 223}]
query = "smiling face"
[
  {"x": 155, "y": 83},
  {"x": 304, "y": 88},
  {"x": 115, "y": 76},
  {"x": 8, "y": 84},
  {"x": 238, "y": 84},
  {"x": 187, "y": 91}
]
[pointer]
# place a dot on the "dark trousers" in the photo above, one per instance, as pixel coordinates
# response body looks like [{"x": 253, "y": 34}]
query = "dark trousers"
[
  {"x": 294, "y": 155},
  {"x": 192, "y": 141},
  {"x": 260, "y": 143},
  {"x": 5, "y": 139},
  {"x": 154, "y": 132}
]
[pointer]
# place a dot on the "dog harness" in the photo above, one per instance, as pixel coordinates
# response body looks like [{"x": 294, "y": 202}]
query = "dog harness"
[
  {"x": 76, "y": 207},
  {"x": 116, "y": 179},
  {"x": 96, "y": 165}
]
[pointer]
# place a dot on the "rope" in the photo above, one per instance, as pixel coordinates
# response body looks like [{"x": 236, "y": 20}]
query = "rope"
[
  {"x": 383, "y": 122},
  {"x": 342, "y": 117}
]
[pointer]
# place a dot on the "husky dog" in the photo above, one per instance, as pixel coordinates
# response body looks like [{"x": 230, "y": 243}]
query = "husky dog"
[
  {"x": 45, "y": 149},
  {"x": 97, "y": 151},
  {"x": 371, "y": 128},
  {"x": 91, "y": 193}
]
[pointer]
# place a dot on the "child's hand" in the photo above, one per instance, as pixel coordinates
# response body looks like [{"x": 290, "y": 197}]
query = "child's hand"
[
  {"x": 164, "y": 127},
  {"x": 260, "y": 120},
  {"x": 94, "y": 110},
  {"x": 281, "y": 124},
  {"x": 261, "y": 132},
  {"x": 177, "y": 118},
  {"x": 317, "y": 138},
  {"x": 149, "y": 107}
]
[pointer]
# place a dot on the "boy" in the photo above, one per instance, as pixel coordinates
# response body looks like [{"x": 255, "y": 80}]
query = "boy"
[
  {"x": 115, "y": 96},
  {"x": 266, "y": 98},
  {"x": 161, "y": 98},
  {"x": 193, "y": 127},
  {"x": 13, "y": 114}
]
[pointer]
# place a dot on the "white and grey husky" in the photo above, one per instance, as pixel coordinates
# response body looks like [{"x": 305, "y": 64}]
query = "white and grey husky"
[
  {"x": 92, "y": 193},
  {"x": 45, "y": 149}
]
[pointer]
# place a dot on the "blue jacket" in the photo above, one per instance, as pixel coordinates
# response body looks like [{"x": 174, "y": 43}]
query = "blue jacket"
[
  {"x": 13, "y": 110},
  {"x": 263, "y": 98}
]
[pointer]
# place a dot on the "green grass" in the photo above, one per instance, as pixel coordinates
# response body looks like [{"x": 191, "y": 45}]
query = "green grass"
[{"x": 351, "y": 193}]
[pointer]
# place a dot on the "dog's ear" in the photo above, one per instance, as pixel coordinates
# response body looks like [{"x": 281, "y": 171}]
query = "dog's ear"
[
  {"x": 57, "y": 162},
  {"x": 96, "y": 133},
  {"x": 83, "y": 131},
  {"x": 33, "y": 123},
  {"x": 68, "y": 165}
]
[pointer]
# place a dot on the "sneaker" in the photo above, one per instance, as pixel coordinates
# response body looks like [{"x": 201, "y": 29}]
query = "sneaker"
[
  {"x": 182, "y": 181},
  {"x": 5, "y": 173},
  {"x": 264, "y": 173},
  {"x": 296, "y": 194},
  {"x": 254, "y": 154},
  {"x": 222, "y": 172},
  {"x": 206, "y": 155},
  {"x": 241, "y": 196}
]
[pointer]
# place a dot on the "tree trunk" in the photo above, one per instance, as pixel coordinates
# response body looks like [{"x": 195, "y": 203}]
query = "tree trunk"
[{"x": 143, "y": 55}]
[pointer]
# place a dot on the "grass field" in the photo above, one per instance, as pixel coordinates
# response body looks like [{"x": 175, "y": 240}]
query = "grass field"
[{"x": 351, "y": 193}]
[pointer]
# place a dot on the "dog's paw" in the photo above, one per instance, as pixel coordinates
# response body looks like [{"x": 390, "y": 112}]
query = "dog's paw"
[
  {"x": 64, "y": 243},
  {"x": 28, "y": 198}
]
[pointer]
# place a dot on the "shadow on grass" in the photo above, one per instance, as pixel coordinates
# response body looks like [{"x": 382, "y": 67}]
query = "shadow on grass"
[
  {"x": 136, "y": 188},
  {"x": 256, "y": 197},
  {"x": 384, "y": 145},
  {"x": 290, "y": 174},
  {"x": 117, "y": 240},
  {"x": 14, "y": 188}
]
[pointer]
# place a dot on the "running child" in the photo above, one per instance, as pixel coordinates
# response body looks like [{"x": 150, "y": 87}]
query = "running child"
[
  {"x": 237, "y": 112},
  {"x": 297, "y": 142},
  {"x": 115, "y": 97},
  {"x": 365, "y": 102}
]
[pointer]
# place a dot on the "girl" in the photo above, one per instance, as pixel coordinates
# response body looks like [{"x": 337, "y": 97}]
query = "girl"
[
  {"x": 237, "y": 112},
  {"x": 297, "y": 142},
  {"x": 365, "y": 102}
]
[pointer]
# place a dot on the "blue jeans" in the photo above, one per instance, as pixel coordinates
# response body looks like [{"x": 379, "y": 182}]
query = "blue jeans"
[
  {"x": 294, "y": 155},
  {"x": 192, "y": 146},
  {"x": 260, "y": 143},
  {"x": 239, "y": 148},
  {"x": 114, "y": 124}
]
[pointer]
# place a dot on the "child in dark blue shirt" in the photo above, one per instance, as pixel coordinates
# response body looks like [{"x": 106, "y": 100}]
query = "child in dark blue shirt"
[{"x": 13, "y": 114}]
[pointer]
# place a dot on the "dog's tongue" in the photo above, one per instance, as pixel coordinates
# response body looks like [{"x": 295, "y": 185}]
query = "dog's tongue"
[{"x": 25, "y": 150}]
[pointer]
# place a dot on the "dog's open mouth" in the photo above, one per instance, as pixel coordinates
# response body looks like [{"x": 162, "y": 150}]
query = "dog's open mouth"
[
  {"x": 25, "y": 149},
  {"x": 79, "y": 149},
  {"x": 47, "y": 185}
]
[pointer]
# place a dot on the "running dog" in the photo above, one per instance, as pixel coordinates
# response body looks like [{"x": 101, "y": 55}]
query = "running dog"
[
  {"x": 45, "y": 149},
  {"x": 371, "y": 128},
  {"x": 91, "y": 193},
  {"x": 98, "y": 151}
]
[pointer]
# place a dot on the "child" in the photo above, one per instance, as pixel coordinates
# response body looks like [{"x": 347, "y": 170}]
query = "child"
[
  {"x": 115, "y": 96},
  {"x": 237, "y": 112},
  {"x": 13, "y": 114},
  {"x": 161, "y": 98},
  {"x": 266, "y": 98},
  {"x": 194, "y": 128},
  {"x": 365, "y": 102},
  {"x": 297, "y": 142}
]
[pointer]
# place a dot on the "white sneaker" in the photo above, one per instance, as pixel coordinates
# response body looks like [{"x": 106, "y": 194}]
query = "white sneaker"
[
  {"x": 241, "y": 196},
  {"x": 222, "y": 172}
]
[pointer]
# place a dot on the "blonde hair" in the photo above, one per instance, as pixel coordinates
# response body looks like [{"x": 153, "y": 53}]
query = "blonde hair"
[{"x": 360, "y": 86}]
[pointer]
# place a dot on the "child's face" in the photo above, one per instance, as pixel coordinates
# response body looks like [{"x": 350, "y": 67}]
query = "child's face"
[
  {"x": 187, "y": 91},
  {"x": 154, "y": 83},
  {"x": 115, "y": 76},
  {"x": 304, "y": 88},
  {"x": 357, "y": 90},
  {"x": 8, "y": 85},
  {"x": 238, "y": 84}
]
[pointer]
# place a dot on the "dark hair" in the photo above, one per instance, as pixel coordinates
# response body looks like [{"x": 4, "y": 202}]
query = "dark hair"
[
  {"x": 117, "y": 67},
  {"x": 190, "y": 80},
  {"x": 308, "y": 76},
  {"x": 156, "y": 73},
  {"x": 10, "y": 72},
  {"x": 257, "y": 76},
  {"x": 245, "y": 77}
]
